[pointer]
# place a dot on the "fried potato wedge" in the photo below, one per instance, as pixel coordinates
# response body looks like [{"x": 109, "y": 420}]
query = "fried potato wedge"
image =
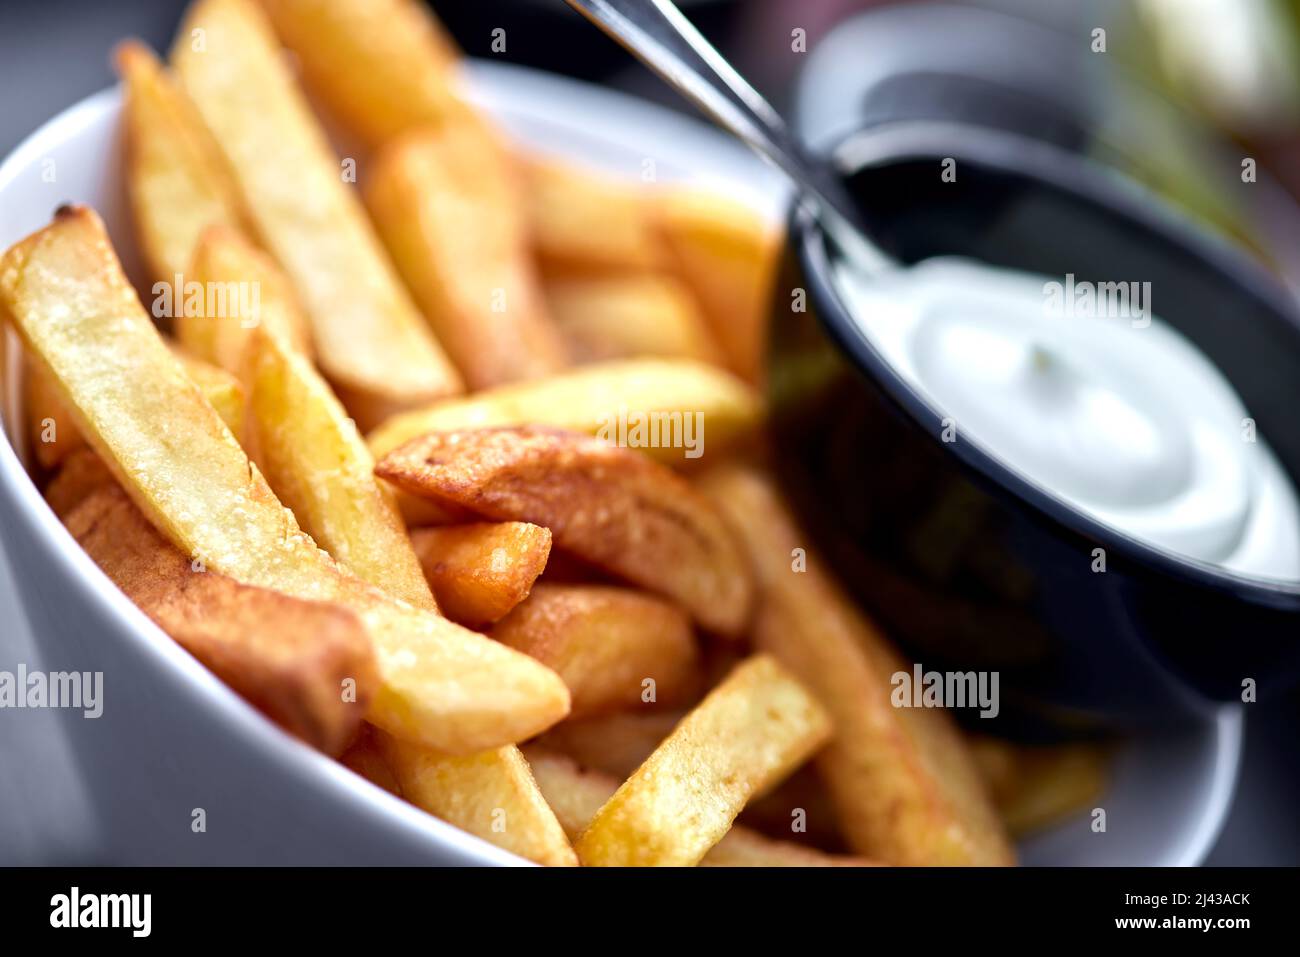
[
  {"x": 481, "y": 570},
  {"x": 446, "y": 207},
  {"x": 615, "y": 648},
  {"x": 491, "y": 795},
  {"x": 576, "y": 794},
  {"x": 65, "y": 293},
  {"x": 288, "y": 657},
  {"x": 726, "y": 254},
  {"x": 751, "y": 731},
  {"x": 1035, "y": 787},
  {"x": 379, "y": 68},
  {"x": 591, "y": 400},
  {"x": 607, "y": 505},
  {"x": 175, "y": 182},
  {"x": 616, "y": 744},
  {"x": 615, "y": 317},
  {"x": 53, "y": 434},
  {"x": 584, "y": 222},
  {"x": 226, "y": 263},
  {"x": 901, "y": 779},
  {"x": 317, "y": 463},
  {"x": 370, "y": 339}
]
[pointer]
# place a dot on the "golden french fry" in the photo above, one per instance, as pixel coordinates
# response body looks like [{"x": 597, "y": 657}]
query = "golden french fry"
[
  {"x": 227, "y": 263},
  {"x": 615, "y": 744},
  {"x": 612, "y": 646},
  {"x": 446, "y": 207},
  {"x": 65, "y": 293},
  {"x": 317, "y": 463},
  {"x": 669, "y": 397},
  {"x": 491, "y": 795},
  {"x": 370, "y": 340},
  {"x": 607, "y": 505},
  {"x": 585, "y": 222},
  {"x": 53, "y": 434},
  {"x": 747, "y": 734},
  {"x": 288, "y": 657},
  {"x": 576, "y": 794},
  {"x": 174, "y": 181},
  {"x": 726, "y": 254},
  {"x": 901, "y": 779},
  {"x": 378, "y": 67},
  {"x": 481, "y": 570},
  {"x": 1035, "y": 787},
  {"x": 614, "y": 317}
]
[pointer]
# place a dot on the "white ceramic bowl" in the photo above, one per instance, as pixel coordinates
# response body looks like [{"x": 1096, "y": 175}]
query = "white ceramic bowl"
[{"x": 173, "y": 739}]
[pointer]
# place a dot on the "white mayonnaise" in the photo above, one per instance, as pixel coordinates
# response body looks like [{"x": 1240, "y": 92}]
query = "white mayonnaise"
[{"x": 1085, "y": 393}]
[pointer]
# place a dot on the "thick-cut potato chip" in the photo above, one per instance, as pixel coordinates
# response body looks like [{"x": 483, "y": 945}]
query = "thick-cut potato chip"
[
  {"x": 726, "y": 253},
  {"x": 318, "y": 465},
  {"x": 288, "y": 657},
  {"x": 749, "y": 733},
  {"x": 227, "y": 264},
  {"x": 615, "y": 317},
  {"x": 491, "y": 795},
  {"x": 370, "y": 339},
  {"x": 576, "y": 794},
  {"x": 447, "y": 209},
  {"x": 52, "y": 431},
  {"x": 901, "y": 779},
  {"x": 78, "y": 316},
  {"x": 607, "y": 505},
  {"x": 668, "y": 398},
  {"x": 481, "y": 570},
  {"x": 585, "y": 222},
  {"x": 379, "y": 68},
  {"x": 174, "y": 178},
  {"x": 615, "y": 648}
]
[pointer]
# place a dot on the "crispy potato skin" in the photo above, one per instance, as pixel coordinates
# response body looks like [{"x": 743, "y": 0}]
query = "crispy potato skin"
[
  {"x": 479, "y": 571},
  {"x": 287, "y": 657},
  {"x": 901, "y": 779},
  {"x": 370, "y": 339},
  {"x": 576, "y": 794},
  {"x": 491, "y": 795},
  {"x": 446, "y": 207},
  {"x": 610, "y": 506},
  {"x": 605, "y": 643},
  {"x": 747, "y": 734},
  {"x": 587, "y": 399},
  {"x": 441, "y": 684}
]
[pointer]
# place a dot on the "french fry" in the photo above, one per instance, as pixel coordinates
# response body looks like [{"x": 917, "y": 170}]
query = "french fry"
[
  {"x": 223, "y": 260},
  {"x": 288, "y": 657},
  {"x": 584, "y": 222},
  {"x": 591, "y": 399},
  {"x": 612, "y": 646},
  {"x": 80, "y": 474},
  {"x": 447, "y": 208},
  {"x": 726, "y": 253},
  {"x": 607, "y": 505},
  {"x": 363, "y": 758},
  {"x": 53, "y": 434},
  {"x": 577, "y": 794},
  {"x": 752, "y": 730},
  {"x": 317, "y": 463},
  {"x": 370, "y": 340},
  {"x": 491, "y": 795},
  {"x": 1035, "y": 787},
  {"x": 65, "y": 293},
  {"x": 175, "y": 184},
  {"x": 379, "y": 68},
  {"x": 615, "y": 744},
  {"x": 615, "y": 317},
  {"x": 901, "y": 779},
  {"x": 481, "y": 570}
]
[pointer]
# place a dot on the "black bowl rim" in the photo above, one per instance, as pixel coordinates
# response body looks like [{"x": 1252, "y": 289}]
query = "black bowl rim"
[{"x": 1088, "y": 180}]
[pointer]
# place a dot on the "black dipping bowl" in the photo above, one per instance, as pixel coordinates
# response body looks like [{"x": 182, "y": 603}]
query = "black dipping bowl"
[{"x": 965, "y": 562}]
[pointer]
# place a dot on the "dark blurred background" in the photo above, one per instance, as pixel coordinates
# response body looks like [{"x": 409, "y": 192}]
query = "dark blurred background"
[{"x": 1187, "y": 88}]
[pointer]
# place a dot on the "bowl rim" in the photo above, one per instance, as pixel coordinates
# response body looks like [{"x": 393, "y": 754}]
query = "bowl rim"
[{"x": 1091, "y": 181}]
